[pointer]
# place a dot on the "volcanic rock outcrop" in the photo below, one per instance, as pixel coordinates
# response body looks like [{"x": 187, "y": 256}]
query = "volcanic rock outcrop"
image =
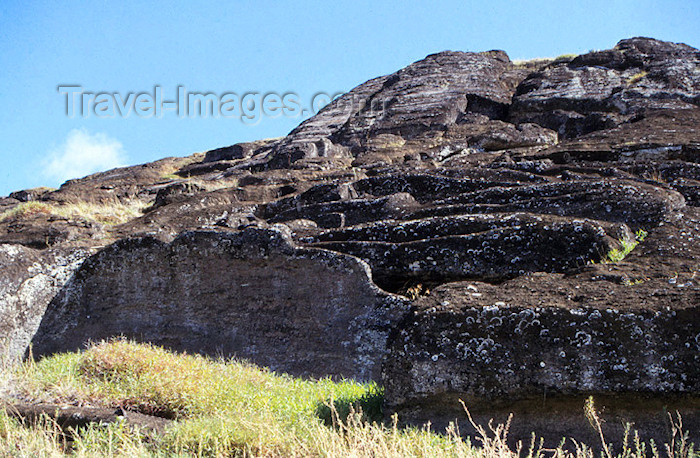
[{"x": 534, "y": 227}]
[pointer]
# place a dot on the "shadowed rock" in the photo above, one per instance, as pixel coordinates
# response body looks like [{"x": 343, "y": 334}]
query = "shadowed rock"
[
  {"x": 229, "y": 295},
  {"x": 70, "y": 418},
  {"x": 489, "y": 247}
]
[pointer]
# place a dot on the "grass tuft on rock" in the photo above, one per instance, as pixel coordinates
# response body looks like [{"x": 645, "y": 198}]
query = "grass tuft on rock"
[
  {"x": 25, "y": 210},
  {"x": 108, "y": 213},
  {"x": 618, "y": 254}
]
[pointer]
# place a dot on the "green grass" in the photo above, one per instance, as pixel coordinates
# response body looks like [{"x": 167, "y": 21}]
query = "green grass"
[
  {"x": 618, "y": 254},
  {"x": 230, "y": 408},
  {"x": 219, "y": 405}
]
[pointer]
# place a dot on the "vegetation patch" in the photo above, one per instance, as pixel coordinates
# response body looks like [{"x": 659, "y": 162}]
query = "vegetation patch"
[
  {"x": 25, "y": 210},
  {"x": 220, "y": 406},
  {"x": 637, "y": 77},
  {"x": 112, "y": 212},
  {"x": 231, "y": 408},
  {"x": 618, "y": 254}
]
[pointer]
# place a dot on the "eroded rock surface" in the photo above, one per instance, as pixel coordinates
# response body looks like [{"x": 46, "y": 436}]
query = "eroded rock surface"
[{"x": 602, "y": 89}]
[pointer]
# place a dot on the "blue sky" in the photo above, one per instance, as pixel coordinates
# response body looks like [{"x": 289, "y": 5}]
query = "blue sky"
[{"x": 245, "y": 47}]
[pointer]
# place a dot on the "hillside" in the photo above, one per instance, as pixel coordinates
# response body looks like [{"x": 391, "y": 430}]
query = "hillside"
[{"x": 518, "y": 235}]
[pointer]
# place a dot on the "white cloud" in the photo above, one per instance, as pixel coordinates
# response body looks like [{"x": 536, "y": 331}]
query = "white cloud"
[{"x": 83, "y": 153}]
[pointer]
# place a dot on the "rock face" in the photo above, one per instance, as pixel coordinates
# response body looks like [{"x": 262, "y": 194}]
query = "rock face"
[
  {"x": 543, "y": 218},
  {"x": 603, "y": 89},
  {"x": 548, "y": 355},
  {"x": 230, "y": 295},
  {"x": 29, "y": 281},
  {"x": 444, "y": 103}
]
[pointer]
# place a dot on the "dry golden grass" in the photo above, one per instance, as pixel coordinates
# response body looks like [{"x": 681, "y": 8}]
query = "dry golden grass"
[
  {"x": 25, "y": 210},
  {"x": 111, "y": 212},
  {"x": 637, "y": 77}
]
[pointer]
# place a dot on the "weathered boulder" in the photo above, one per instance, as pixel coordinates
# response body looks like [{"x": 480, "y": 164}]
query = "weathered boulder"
[
  {"x": 45, "y": 230},
  {"x": 540, "y": 344},
  {"x": 238, "y": 151},
  {"x": 28, "y": 195},
  {"x": 120, "y": 185},
  {"x": 352, "y": 211},
  {"x": 516, "y": 351},
  {"x": 432, "y": 94},
  {"x": 635, "y": 204},
  {"x": 541, "y": 363},
  {"x": 227, "y": 294},
  {"x": 71, "y": 418},
  {"x": 176, "y": 192},
  {"x": 310, "y": 140},
  {"x": 30, "y": 279}
]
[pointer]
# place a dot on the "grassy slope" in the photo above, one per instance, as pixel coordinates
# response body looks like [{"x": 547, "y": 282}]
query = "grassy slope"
[
  {"x": 114, "y": 212},
  {"x": 221, "y": 408}
]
